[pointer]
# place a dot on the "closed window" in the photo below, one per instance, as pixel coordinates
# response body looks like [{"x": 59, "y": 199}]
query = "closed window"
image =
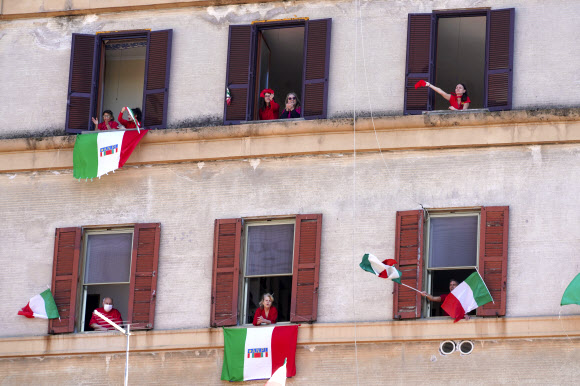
[
  {"x": 109, "y": 71},
  {"x": 472, "y": 47}
]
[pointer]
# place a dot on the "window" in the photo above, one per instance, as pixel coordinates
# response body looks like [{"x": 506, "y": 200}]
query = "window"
[
  {"x": 456, "y": 242},
  {"x": 282, "y": 55},
  {"x": 473, "y": 47},
  {"x": 111, "y": 70},
  {"x": 116, "y": 262},
  {"x": 276, "y": 255}
]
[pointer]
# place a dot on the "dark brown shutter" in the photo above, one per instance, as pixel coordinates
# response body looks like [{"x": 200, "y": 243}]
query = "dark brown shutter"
[
  {"x": 307, "y": 238},
  {"x": 500, "y": 59},
  {"x": 143, "y": 287},
  {"x": 226, "y": 272},
  {"x": 82, "y": 83},
  {"x": 409, "y": 256},
  {"x": 65, "y": 274},
  {"x": 420, "y": 27},
  {"x": 156, "y": 90},
  {"x": 239, "y": 74},
  {"x": 316, "y": 68},
  {"x": 493, "y": 257}
]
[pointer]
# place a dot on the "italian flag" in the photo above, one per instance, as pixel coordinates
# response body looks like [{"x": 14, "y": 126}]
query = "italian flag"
[
  {"x": 466, "y": 297},
  {"x": 384, "y": 269},
  {"x": 96, "y": 154},
  {"x": 41, "y": 306},
  {"x": 257, "y": 352}
]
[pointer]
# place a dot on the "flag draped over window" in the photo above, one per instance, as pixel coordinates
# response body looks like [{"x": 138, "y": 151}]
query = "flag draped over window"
[
  {"x": 96, "y": 154},
  {"x": 257, "y": 352},
  {"x": 41, "y": 306},
  {"x": 467, "y": 296}
]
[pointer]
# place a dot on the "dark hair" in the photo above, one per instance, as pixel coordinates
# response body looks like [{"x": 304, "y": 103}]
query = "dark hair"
[
  {"x": 465, "y": 95},
  {"x": 263, "y": 103},
  {"x": 110, "y": 113},
  {"x": 137, "y": 113},
  {"x": 452, "y": 279}
]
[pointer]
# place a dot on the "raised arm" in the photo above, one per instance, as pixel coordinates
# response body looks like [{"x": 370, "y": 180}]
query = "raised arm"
[
  {"x": 430, "y": 297},
  {"x": 438, "y": 91}
]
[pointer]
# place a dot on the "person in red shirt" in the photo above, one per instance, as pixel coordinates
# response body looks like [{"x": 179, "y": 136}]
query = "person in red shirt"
[
  {"x": 108, "y": 122},
  {"x": 130, "y": 124},
  {"x": 458, "y": 100},
  {"x": 266, "y": 313},
  {"x": 440, "y": 299},
  {"x": 269, "y": 109},
  {"x": 98, "y": 323}
]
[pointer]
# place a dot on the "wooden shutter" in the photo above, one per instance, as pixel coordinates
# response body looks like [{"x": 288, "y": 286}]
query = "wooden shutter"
[
  {"x": 226, "y": 272},
  {"x": 65, "y": 274},
  {"x": 500, "y": 59},
  {"x": 82, "y": 83},
  {"x": 156, "y": 88},
  {"x": 143, "y": 287},
  {"x": 316, "y": 68},
  {"x": 493, "y": 257},
  {"x": 239, "y": 74},
  {"x": 409, "y": 256},
  {"x": 420, "y": 33},
  {"x": 307, "y": 237}
]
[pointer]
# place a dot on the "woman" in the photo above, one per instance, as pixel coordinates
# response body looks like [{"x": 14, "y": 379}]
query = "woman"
[
  {"x": 269, "y": 109},
  {"x": 108, "y": 122},
  {"x": 266, "y": 313},
  {"x": 292, "y": 109},
  {"x": 459, "y": 100},
  {"x": 130, "y": 124}
]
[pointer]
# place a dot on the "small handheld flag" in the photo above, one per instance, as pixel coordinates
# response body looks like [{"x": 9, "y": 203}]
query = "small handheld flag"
[
  {"x": 137, "y": 123},
  {"x": 384, "y": 269}
]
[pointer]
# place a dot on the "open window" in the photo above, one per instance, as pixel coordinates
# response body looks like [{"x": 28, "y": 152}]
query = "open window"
[
  {"x": 277, "y": 255},
  {"x": 473, "y": 47},
  {"x": 109, "y": 71},
  {"x": 434, "y": 248},
  {"x": 286, "y": 56},
  {"x": 93, "y": 263}
]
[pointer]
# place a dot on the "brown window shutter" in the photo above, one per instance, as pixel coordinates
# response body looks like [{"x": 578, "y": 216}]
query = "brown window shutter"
[
  {"x": 156, "y": 90},
  {"x": 82, "y": 83},
  {"x": 500, "y": 59},
  {"x": 65, "y": 274},
  {"x": 316, "y": 68},
  {"x": 143, "y": 287},
  {"x": 226, "y": 272},
  {"x": 307, "y": 238},
  {"x": 493, "y": 257},
  {"x": 420, "y": 30},
  {"x": 409, "y": 256},
  {"x": 239, "y": 74}
]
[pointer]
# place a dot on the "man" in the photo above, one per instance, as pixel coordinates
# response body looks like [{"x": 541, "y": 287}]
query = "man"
[
  {"x": 440, "y": 299},
  {"x": 98, "y": 323}
]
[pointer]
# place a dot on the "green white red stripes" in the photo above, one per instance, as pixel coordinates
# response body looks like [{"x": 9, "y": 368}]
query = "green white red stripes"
[
  {"x": 96, "y": 154},
  {"x": 384, "y": 269},
  {"x": 467, "y": 296},
  {"x": 257, "y": 352},
  {"x": 41, "y": 306}
]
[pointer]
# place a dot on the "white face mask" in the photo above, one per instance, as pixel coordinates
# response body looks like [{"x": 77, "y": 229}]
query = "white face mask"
[{"x": 108, "y": 307}]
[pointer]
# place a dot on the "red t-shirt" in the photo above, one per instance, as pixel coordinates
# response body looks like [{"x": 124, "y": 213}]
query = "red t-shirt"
[
  {"x": 270, "y": 112},
  {"x": 127, "y": 124},
  {"x": 114, "y": 315},
  {"x": 272, "y": 315},
  {"x": 103, "y": 125},
  {"x": 453, "y": 101}
]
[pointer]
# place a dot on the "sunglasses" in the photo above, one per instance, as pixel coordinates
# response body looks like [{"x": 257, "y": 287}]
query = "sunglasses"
[{"x": 291, "y": 98}]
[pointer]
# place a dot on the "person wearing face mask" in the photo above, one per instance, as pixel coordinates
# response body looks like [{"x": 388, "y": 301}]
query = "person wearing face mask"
[{"x": 98, "y": 323}]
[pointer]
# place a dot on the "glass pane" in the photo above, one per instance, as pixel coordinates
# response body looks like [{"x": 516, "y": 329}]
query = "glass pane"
[
  {"x": 453, "y": 241},
  {"x": 108, "y": 258},
  {"x": 270, "y": 249}
]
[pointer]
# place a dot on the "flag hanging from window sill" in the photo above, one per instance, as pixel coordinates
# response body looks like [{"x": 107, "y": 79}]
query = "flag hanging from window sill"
[
  {"x": 257, "y": 352},
  {"x": 41, "y": 306},
  {"x": 467, "y": 296},
  {"x": 96, "y": 154}
]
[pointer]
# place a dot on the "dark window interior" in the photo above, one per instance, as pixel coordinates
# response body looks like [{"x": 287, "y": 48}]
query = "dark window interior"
[
  {"x": 122, "y": 74},
  {"x": 440, "y": 285},
  {"x": 460, "y": 58},
  {"x": 280, "y": 61},
  {"x": 280, "y": 286}
]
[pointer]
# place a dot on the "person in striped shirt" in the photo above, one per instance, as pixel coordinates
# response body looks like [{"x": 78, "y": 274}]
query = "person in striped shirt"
[{"x": 98, "y": 323}]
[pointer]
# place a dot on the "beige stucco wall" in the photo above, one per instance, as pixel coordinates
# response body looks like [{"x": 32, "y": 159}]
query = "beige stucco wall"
[{"x": 35, "y": 53}]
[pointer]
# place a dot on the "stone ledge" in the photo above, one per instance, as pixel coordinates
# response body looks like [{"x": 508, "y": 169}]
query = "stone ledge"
[
  {"x": 272, "y": 139},
  {"x": 435, "y": 329}
]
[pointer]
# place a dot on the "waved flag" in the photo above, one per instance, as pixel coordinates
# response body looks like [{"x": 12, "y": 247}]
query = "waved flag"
[
  {"x": 41, "y": 306},
  {"x": 279, "y": 377},
  {"x": 572, "y": 293},
  {"x": 384, "y": 269},
  {"x": 466, "y": 297}
]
